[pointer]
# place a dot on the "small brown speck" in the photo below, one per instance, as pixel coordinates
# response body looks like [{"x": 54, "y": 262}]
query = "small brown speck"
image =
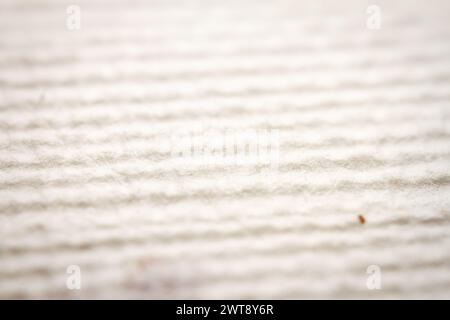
[{"x": 362, "y": 220}]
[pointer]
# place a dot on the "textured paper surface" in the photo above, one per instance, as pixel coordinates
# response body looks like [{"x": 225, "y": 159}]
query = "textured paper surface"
[{"x": 86, "y": 175}]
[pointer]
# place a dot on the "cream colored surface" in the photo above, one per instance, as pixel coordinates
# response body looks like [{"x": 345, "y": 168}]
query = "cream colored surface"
[{"x": 86, "y": 176}]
